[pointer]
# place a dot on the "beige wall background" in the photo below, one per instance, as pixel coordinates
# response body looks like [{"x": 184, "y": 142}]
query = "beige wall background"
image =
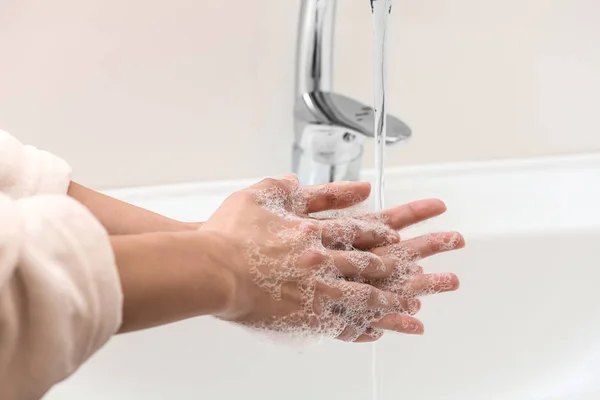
[{"x": 136, "y": 92}]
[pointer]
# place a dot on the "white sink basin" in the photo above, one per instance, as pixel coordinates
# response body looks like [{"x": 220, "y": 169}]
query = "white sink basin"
[{"x": 525, "y": 324}]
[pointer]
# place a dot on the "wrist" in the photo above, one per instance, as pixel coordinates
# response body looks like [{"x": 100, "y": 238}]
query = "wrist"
[
  {"x": 189, "y": 226},
  {"x": 171, "y": 225},
  {"x": 170, "y": 276},
  {"x": 214, "y": 283}
]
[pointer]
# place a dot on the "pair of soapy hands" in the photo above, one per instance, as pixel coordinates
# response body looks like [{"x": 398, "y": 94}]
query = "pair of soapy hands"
[{"x": 335, "y": 276}]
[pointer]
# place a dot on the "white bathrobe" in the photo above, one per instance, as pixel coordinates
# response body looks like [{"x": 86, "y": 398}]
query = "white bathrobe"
[{"x": 60, "y": 294}]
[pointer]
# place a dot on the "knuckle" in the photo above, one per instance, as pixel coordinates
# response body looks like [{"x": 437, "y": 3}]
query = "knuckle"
[
  {"x": 378, "y": 264},
  {"x": 316, "y": 257},
  {"x": 269, "y": 182},
  {"x": 292, "y": 181},
  {"x": 399, "y": 324},
  {"x": 310, "y": 231},
  {"x": 312, "y": 228},
  {"x": 332, "y": 197},
  {"x": 412, "y": 207},
  {"x": 356, "y": 229}
]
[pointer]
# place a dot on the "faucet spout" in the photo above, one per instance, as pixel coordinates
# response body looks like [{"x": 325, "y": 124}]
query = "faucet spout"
[
  {"x": 314, "y": 70},
  {"x": 330, "y": 129}
]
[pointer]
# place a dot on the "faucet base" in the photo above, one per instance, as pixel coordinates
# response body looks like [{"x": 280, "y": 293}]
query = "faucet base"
[{"x": 313, "y": 172}]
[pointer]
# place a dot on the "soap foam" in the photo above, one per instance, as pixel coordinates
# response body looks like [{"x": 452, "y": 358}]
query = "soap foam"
[{"x": 331, "y": 305}]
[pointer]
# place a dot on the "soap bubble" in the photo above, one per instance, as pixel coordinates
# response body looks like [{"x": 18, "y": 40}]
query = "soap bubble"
[{"x": 334, "y": 304}]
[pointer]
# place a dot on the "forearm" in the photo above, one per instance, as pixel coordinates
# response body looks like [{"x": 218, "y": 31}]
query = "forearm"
[
  {"x": 120, "y": 218},
  {"x": 167, "y": 277}
]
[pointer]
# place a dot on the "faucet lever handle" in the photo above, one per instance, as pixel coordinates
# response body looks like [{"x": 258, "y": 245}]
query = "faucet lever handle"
[{"x": 338, "y": 110}]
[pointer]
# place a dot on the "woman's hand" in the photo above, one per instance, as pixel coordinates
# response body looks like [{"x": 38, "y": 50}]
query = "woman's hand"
[
  {"x": 265, "y": 260},
  {"x": 296, "y": 274},
  {"x": 170, "y": 276}
]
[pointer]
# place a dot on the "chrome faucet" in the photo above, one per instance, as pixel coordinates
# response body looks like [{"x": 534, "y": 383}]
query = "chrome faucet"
[{"x": 330, "y": 129}]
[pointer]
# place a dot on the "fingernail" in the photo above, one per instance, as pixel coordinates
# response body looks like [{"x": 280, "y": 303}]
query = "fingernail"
[
  {"x": 414, "y": 305},
  {"x": 420, "y": 329}
]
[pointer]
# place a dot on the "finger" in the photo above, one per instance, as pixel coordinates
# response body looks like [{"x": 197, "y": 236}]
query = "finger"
[
  {"x": 400, "y": 323},
  {"x": 366, "y": 339},
  {"x": 371, "y": 335},
  {"x": 335, "y": 196},
  {"x": 435, "y": 243},
  {"x": 409, "y": 214},
  {"x": 422, "y": 285},
  {"x": 361, "y": 264},
  {"x": 347, "y": 233},
  {"x": 347, "y": 335},
  {"x": 422, "y": 246},
  {"x": 352, "y": 296}
]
